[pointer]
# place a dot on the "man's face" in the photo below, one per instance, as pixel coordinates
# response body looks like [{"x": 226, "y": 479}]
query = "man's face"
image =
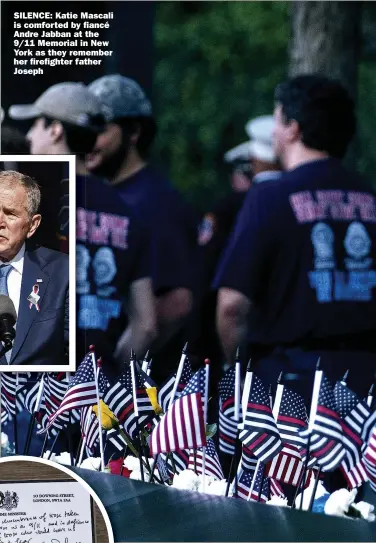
[
  {"x": 106, "y": 147},
  {"x": 39, "y": 138},
  {"x": 16, "y": 225}
]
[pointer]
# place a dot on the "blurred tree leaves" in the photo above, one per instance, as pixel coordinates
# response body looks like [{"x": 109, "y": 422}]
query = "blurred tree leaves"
[{"x": 217, "y": 64}]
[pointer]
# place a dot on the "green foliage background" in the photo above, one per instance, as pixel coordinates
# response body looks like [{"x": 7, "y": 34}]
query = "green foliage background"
[{"x": 217, "y": 64}]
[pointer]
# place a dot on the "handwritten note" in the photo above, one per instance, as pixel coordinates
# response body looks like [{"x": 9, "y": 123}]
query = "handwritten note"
[{"x": 45, "y": 512}]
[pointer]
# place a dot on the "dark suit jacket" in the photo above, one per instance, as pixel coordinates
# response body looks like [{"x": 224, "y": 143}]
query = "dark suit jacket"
[{"x": 42, "y": 336}]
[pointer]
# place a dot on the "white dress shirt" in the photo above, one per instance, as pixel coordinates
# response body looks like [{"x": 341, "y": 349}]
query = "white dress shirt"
[{"x": 14, "y": 278}]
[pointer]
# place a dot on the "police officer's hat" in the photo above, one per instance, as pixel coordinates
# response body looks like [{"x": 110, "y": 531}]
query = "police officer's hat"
[{"x": 260, "y": 145}]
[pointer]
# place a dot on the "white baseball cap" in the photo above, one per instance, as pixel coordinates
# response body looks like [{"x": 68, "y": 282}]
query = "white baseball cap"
[{"x": 260, "y": 144}]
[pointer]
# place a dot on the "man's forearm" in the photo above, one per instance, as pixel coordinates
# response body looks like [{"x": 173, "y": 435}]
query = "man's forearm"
[
  {"x": 232, "y": 332},
  {"x": 135, "y": 337},
  {"x": 172, "y": 310},
  {"x": 233, "y": 309}
]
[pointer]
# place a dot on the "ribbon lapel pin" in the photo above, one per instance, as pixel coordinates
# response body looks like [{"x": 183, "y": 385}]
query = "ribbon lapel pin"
[{"x": 34, "y": 297}]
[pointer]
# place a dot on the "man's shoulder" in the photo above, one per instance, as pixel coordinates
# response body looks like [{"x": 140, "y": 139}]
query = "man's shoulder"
[{"x": 46, "y": 256}]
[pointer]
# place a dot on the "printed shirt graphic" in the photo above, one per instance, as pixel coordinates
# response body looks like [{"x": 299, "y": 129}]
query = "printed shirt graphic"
[
  {"x": 304, "y": 251},
  {"x": 112, "y": 251}
]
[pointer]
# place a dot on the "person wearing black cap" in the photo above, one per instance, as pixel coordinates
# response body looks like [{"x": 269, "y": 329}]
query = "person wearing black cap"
[
  {"x": 300, "y": 268},
  {"x": 115, "y": 306},
  {"x": 121, "y": 155}
]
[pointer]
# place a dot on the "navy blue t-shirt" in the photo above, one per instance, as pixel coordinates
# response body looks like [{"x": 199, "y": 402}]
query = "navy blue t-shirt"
[
  {"x": 172, "y": 225},
  {"x": 112, "y": 251},
  {"x": 304, "y": 252}
]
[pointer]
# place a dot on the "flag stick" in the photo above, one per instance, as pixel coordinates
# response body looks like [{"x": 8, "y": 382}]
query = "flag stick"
[
  {"x": 314, "y": 490},
  {"x": 314, "y": 404},
  {"x": 68, "y": 430},
  {"x": 246, "y": 391},
  {"x": 44, "y": 446},
  {"x": 38, "y": 403},
  {"x": 96, "y": 374},
  {"x": 53, "y": 445},
  {"x": 83, "y": 438},
  {"x": 195, "y": 461},
  {"x": 1, "y": 407},
  {"x": 370, "y": 396},
  {"x": 276, "y": 407},
  {"x": 207, "y": 371},
  {"x": 135, "y": 408},
  {"x": 148, "y": 371},
  {"x": 261, "y": 483},
  {"x": 178, "y": 374},
  {"x": 15, "y": 418},
  {"x": 236, "y": 419},
  {"x": 145, "y": 362}
]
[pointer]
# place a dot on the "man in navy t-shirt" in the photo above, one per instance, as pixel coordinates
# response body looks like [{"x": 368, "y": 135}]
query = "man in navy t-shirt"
[
  {"x": 115, "y": 306},
  {"x": 121, "y": 155},
  {"x": 298, "y": 277}
]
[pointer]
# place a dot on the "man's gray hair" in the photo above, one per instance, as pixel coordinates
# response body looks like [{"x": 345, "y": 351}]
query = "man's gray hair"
[{"x": 30, "y": 185}]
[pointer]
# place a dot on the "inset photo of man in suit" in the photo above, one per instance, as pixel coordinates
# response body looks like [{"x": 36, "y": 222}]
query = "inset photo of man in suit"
[{"x": 34, "y": 278}]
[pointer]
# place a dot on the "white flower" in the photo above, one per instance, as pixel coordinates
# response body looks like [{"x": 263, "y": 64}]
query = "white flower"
[
  {"x": 136, "y": 475},
  {"x": 366, "y": 510},
  {"x": 186, "y": 480},
  {"x": 47, "y": 454},
  {"x": 339, "y": 502},
  {"x": 63, "y": 458},
  {"x": 4, "y": 440},
  {"x": 320, "y": 491},
  {"x": 91, "y": 463},
  {"x": 217, "y": 487},
  {"x": 276, "y": 500},
  {"x": 133, "y": 464}
]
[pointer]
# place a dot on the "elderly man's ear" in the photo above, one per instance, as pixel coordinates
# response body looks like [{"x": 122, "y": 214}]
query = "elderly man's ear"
[{"x": 34, "y": 224}]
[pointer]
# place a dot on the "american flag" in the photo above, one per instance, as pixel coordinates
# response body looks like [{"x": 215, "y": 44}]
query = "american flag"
[
  {"x": 287, "y": 467},
  {"x": 260, "y": 432},
  {"x": 292, "y": 418},
  {"x": 116, "y": 439},
  {"x": 182, "y": 427},
  {"x": 368, "y": 427},
  {"x": 81, "y": 391},
  {"x": 369, "y": 459},
  {"x": 29, "y": 394},
  {"x": 9, "y": 385},
  {"x": 228, "y": 427},
  {"x": 356, "y": 476},
  {"x": 276, "y": 489},
  {"x": 248, "y": 461},
  {"x": 119, "y": 399},
  {"x": 164, "y": 394},
  {"x": 245, "y": 483},
  {"x": 212, "y": 464},
  {"x": 327, "y": 436},
  {"x": 55, "y": 387},
  {"x": 176, "y": 461},
  {"x": 88, "y": 420},
  {"x": 89, "y": 428},
  {"x": 196, "y": 385},
  {"x": 354, "y": 413}
]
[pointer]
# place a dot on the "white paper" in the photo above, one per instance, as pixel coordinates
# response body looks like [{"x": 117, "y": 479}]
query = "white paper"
[{"x": 45, "y": 512}]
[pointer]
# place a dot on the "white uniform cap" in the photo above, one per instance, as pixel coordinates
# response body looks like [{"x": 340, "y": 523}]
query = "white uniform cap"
[{"x": 260, "y": 145}]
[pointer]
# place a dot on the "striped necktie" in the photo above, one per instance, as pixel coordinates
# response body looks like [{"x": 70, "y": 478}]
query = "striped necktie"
[{"x": 4, "y": 272}]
